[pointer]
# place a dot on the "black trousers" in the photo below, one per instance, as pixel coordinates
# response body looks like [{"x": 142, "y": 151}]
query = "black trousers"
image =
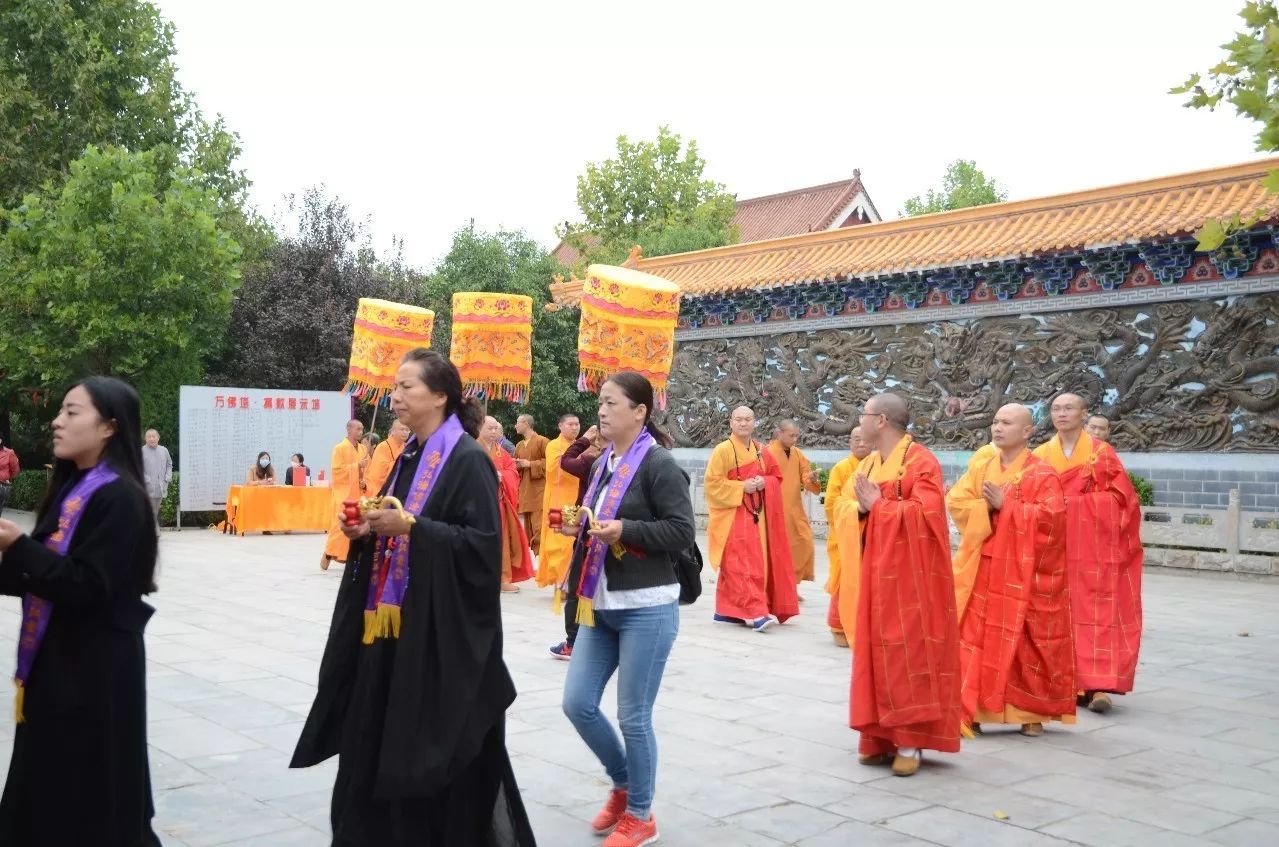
[{"x": 570, "y": 601}]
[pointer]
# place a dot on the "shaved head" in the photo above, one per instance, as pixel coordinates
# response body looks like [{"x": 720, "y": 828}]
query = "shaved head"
[
  {"x": 857, "y": 444},
  {"x": 787, "y": 434},
  {"x": 742, "y": 422},
  {"x": 1011, "y": 429},
  {"x": 1099, "y": 427},
  {"x": 892, "y": 407},
  {"x": 1068, "y": 413},
  {"x": 491, "y": 431}
]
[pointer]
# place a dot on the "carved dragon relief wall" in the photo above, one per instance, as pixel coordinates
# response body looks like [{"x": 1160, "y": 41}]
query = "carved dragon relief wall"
[{"x": 1177, "y": 376}]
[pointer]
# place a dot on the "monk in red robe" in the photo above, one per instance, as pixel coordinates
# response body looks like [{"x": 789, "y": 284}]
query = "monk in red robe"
[
  {"x": 517, "y": 558},
  {"x": 746, "y": 532},
  {"x": 895, "y": 542},
  {"x": 1103, "y": 555},
  {"x": 1016, "y": 653}
]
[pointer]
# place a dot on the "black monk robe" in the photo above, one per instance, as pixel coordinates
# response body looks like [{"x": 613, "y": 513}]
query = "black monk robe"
[
  {"x": 418, "y": 722},
  {"x": 79, "y": 774}
]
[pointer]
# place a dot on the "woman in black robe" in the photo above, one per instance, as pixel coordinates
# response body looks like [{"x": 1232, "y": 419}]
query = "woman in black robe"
[
  {"x": 79, "y": 773},
  {"x": 418, "y": 719}
]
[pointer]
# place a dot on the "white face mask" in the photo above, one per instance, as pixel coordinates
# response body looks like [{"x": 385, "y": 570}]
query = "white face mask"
[{"x": 264, "y": 463}]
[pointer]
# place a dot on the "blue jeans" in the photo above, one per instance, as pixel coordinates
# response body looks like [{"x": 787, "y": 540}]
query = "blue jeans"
[{"x": 635, "y": 643}]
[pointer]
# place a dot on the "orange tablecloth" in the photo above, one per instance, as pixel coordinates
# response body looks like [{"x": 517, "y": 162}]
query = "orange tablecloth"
[{"x": 276, "y": 508}]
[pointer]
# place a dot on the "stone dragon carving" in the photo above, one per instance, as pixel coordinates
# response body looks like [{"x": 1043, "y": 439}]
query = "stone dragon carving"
[{"x": 1182, "y": 376}]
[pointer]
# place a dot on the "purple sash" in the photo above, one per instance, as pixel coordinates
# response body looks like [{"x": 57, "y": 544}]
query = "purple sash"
[
  {"x": 596, "y": 550},
  {"x": 35, "y": 610},
  {"x": 390, "y": 577}
]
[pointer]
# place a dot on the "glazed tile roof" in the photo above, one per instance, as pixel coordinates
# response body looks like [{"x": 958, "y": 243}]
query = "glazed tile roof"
[{"x": 1103, "y": 217}]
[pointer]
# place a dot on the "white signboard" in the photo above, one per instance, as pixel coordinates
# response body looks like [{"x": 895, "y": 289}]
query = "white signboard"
[{"x": 224, "y": 429}]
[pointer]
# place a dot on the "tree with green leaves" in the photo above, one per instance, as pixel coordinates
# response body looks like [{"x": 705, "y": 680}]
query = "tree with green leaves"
[
  {"x": 1247, "y": 79},
  {"x": 654, "y": 194},
  {"x": 963, "y": 186},
  {"x": 291, "y": 324},
  {"x": 512, "y": 263},
  {"x": 122, "y": 266}
]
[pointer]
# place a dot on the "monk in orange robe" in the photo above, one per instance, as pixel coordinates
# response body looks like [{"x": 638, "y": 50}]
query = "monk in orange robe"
[
  {"x": 1016, "y": 653},
  {"x": 348, "y": 462},
  {"x": 517, "y": 558},
  {"x": 530, "y": 459},
  {"x": 840, "y": 475},
  {"x": 746, "y": 534},
  {"x": 797, "y": 477},
  {"x": 895, "y": 542},
  {"x": 561, "y": 490},
  {"x": 383, "y": 458},
  {"x": 1103, "y": 555}
]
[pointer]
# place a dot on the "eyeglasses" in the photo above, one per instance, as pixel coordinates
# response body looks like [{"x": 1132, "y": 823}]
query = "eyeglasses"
[{"x": 866, "y": 414}]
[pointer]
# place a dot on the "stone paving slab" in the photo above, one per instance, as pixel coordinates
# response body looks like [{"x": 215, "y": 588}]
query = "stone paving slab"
[{"x": 755, "y": 751}]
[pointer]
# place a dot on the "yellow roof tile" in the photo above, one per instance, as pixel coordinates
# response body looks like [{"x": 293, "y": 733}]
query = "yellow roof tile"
[{"x": 1121, "y": 214}]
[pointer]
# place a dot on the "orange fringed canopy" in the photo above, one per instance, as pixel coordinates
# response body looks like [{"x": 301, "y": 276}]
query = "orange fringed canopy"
[
  {"x": 493, "y": 344},
  {"x": 628, "y": 324},
  {"x": 384, "y": 332}
]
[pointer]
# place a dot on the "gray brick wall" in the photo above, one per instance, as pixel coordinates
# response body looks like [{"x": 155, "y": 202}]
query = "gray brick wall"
[{"x": 1178, "y": 479}]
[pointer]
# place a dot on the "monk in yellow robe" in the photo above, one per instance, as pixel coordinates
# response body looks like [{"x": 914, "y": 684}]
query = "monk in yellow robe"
[
  {"x": 840, "y": 476},
  {"x": 1016, "y": 654},
  {"x": 1103, "y": 555},
  {"x": 348, "y": 463},
  {"x": 530, "y": 461},
  {"x": 746, "y": 534},
  {"x": 383, "y": 458},
  {"x": 797, "y": 477},
  {"x": 561, "y": 490}
]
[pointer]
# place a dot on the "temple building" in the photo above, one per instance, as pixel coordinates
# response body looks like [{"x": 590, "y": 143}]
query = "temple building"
[
  {"x": 1100, "y": 292},
  {"x": 835, "y": 205}
]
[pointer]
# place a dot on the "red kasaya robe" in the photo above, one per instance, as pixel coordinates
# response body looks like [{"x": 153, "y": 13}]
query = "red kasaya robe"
[
  {"x": 1103, "y": 557},
  {"x": 1015, "y": 643},
  {"x": 905, "y": 688},
  {"x": 756, "y": 577},
  {"x": 517, "y": 558}
]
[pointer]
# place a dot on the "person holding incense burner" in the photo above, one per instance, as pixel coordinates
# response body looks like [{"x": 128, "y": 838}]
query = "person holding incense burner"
[
  {"x": 79, "y": 772},
  {"x": 628, "y": 605},
  {"x": 413, "y": 692}
]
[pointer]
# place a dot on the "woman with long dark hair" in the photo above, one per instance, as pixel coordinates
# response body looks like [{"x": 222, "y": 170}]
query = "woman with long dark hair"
[
  {"x": 79, "y": 773},
  {"x": 413, "y": 692},
  {"x": 628, "y": 601},
  {"x": 261, "y": 472}
]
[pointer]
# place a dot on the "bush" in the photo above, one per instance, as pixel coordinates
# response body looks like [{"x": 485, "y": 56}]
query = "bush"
[
  {"x": 1145, "y": 491},
  {"x": 27, "y": 491}
]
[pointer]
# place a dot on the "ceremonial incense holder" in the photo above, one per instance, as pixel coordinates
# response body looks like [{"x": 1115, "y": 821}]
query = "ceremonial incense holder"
[
  {"x": 353, "y": 511},
  {"x": 570, "y": 517}
]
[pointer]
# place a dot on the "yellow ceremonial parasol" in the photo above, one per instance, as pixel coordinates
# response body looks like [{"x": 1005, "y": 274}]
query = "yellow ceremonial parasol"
[
  {"x": 384, "y": 332},
  {"x": 628, "y": 324},
  {"x": 493, "y": 344}
]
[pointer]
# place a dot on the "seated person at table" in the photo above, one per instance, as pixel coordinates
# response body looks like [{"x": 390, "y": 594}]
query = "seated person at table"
[
  {"x": 297, "y": 473},
  {"x": 261, "y": 473}
]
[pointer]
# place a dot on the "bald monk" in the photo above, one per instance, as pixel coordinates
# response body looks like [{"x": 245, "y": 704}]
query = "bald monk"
[
  {"x": 517, "y": 559},
  {"x": 384, "y": 456},
  {"x": 840, "y": 475},
  {"x": 1016, "y": 656},
  {"x": 746, "y": 534},
  {"x": 1099, "y": 428},
  {"x": 561, "y": 490},
  {"x": 530, "y": 460},
  {"x": 1103, "y": 555},
  {"x": 797, "y": 477},
  {"x": 894, "y": 547},
  {"x": 348, "y": 462}
]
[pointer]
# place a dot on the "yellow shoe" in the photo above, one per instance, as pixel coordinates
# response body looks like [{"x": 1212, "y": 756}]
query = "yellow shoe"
[
  {"x": 1100, "y": 703},
  {"x": 873, "y": 760},
  {"x": 841, "y": 640},
  {"x": 907, "y": 765},
  {"x": 1032, "y": 730}
]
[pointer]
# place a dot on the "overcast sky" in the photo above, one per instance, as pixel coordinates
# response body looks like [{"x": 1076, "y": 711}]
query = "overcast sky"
[{"x": 425, "y": 115}]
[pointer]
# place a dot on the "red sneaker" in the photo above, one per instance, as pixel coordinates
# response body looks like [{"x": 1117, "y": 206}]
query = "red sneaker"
[
  {"x": 633, "y": 832},
  {"x": 612, "y": 812}
]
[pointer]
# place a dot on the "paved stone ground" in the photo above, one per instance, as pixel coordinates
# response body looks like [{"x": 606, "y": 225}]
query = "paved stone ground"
[{"x": 755, "y": 751}]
